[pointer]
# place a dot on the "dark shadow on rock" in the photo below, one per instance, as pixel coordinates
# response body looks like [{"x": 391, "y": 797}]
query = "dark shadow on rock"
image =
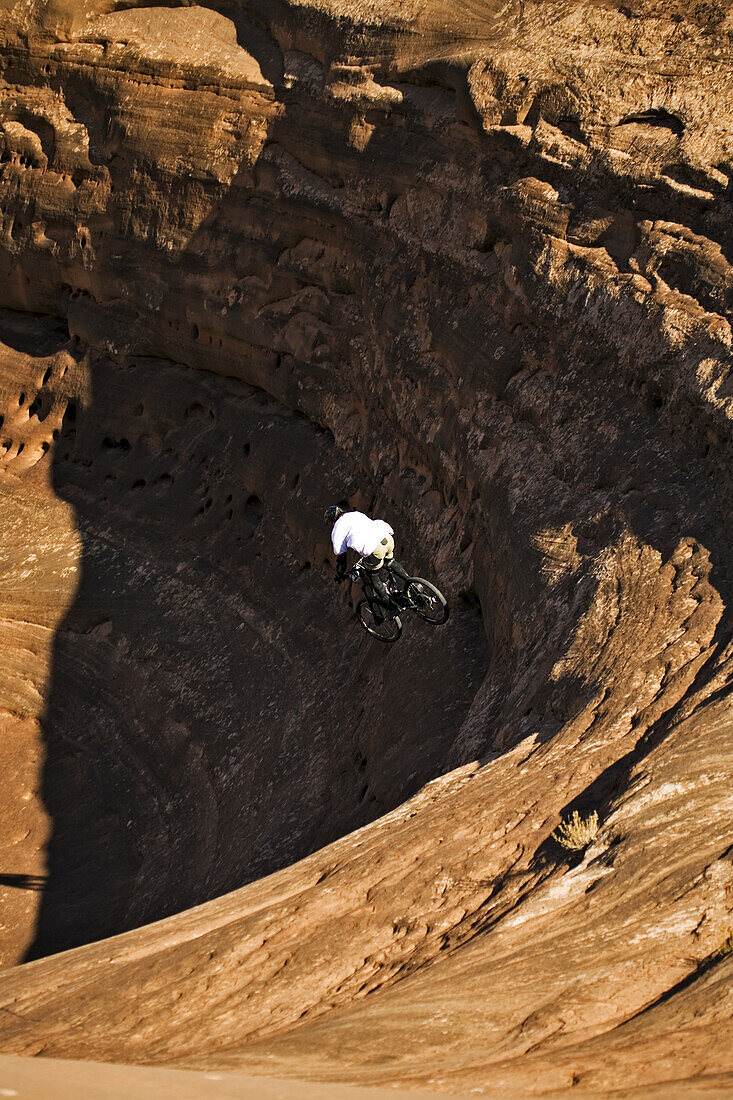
[
  {"x": 24, "y": 882},
  {"x": 32, "y": 335},
  {"x": 212, "y": 715}
]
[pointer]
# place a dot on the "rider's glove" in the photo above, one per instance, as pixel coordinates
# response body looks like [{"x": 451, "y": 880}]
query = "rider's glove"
[{"x": 341, "y": 563}]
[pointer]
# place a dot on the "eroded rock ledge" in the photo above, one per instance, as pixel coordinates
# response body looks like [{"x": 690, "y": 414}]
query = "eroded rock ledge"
[{"x": 469, "y": 269}]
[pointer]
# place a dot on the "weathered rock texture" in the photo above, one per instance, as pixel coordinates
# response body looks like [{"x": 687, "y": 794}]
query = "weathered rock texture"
[{"x": 467, "y": 267}]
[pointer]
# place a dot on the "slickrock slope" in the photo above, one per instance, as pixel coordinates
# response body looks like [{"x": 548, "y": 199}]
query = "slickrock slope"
[{"x": 467, "y": 268}]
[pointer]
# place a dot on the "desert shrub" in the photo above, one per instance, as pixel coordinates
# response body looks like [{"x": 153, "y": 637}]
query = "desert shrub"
[
  {"x": 576, "y": 832},
  {"x": 726, "y": 945}
]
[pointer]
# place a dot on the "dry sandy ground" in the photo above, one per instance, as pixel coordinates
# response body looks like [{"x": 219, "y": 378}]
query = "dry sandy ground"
[
  {"x": 46, "y": 1078},
  {"x": 41, "y": 1079}
]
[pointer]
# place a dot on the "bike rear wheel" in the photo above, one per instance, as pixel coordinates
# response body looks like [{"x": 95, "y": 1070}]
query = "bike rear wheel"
[
  {"x": 388, "y": 630},
  {"x": 428, "y": 602}
]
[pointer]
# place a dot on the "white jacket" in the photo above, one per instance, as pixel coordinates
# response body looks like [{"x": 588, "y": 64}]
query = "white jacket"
[{"x": 359, "y": 532}]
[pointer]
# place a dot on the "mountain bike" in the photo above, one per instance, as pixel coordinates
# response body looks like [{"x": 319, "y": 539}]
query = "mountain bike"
[{"x": 383, "y": 620}]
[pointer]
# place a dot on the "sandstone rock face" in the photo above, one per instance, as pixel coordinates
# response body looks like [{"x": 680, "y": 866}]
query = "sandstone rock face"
[{"x": 468, "y": 269}]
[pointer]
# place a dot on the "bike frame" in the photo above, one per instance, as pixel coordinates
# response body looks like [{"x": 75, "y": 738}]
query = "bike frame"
[
  {"x": 363, "y": 575},
  {"x": 399, "y": 600}
]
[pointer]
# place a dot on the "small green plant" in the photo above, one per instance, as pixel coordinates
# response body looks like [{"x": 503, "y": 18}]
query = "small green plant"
[
  {"x": 726, "y": 945},
  {"x": 576, "y": 832}
]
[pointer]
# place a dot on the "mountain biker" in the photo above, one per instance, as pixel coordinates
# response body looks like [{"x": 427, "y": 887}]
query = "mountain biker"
[{"x": 373, "y": 539}]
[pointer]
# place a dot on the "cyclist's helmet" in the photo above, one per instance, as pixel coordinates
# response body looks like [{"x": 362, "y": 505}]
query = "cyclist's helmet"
[{"x": 332, "y": 514}]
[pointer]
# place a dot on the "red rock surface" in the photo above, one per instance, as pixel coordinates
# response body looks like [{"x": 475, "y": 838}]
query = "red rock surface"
[{"x": 469, "y": 269}]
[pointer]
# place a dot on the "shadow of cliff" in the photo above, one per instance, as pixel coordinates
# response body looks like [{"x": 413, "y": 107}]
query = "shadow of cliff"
[{"x": 210, "y": 718}]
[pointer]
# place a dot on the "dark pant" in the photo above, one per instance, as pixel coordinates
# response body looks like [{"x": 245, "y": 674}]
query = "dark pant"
[{"x": 376, "y": 581}]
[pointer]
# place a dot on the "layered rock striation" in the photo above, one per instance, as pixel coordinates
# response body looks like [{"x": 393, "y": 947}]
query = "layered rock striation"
[{"x": 468, "y": 269}]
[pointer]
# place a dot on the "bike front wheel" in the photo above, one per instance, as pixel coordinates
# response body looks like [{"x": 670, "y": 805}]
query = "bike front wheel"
[
  {"x": 386, "y": 629},
  {"x": 428, "y": 602}
]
